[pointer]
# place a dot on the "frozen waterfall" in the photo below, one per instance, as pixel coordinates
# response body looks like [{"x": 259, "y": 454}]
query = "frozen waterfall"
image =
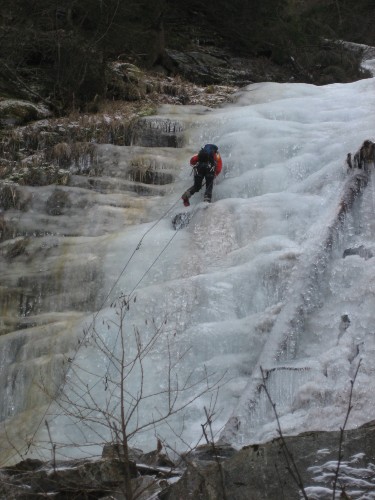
[{"x": 249, "y": 283}]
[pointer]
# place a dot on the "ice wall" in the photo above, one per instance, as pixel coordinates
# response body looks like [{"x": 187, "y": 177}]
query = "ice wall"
[{"x": 222, "y": 290}]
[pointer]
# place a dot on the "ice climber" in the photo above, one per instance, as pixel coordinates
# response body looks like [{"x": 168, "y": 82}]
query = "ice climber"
[{"x": 207, "y": 165}]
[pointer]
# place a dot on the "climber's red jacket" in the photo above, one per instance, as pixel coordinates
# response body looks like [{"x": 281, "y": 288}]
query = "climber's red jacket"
[{"x": 218, "y": 162}]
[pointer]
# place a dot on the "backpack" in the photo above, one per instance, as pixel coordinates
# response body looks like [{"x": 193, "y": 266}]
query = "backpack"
[
  {"x": 207, "y": 155},
  {"x": 203, "y": 157}
]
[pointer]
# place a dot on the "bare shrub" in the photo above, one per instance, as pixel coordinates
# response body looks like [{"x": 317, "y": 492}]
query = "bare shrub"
[{"x": 116, "y": 406}]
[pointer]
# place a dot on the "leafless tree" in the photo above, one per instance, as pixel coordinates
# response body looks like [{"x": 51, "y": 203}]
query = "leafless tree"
[{"x": 127, "y": 410}]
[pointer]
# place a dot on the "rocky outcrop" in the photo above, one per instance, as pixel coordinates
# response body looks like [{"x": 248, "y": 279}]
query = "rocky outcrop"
[
  {"x": 75, "y": 479},
  {"x": 203, "y": 68},
  {"x": 216, "y": 66},
  {"x": 361, "y": 251},
  {"x": 87, "y": 479},
  {"x": 257, "y": 472},
  {"x": 125, "y": 81},
  {"x": 260, "y": 472},
  {"x": 17, "y": 112}
]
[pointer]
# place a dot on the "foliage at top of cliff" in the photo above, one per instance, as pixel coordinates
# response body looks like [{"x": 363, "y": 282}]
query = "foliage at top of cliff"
[{"x": 58, "y": 52}]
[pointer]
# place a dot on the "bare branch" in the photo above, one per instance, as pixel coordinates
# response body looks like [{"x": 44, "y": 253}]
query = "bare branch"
[
  {"x": 288, "y": 457},
  {"x": 342, "y": 429}
]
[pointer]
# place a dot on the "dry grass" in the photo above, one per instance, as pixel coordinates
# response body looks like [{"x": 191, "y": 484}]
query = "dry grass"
[{"x": 33, "y": 154}]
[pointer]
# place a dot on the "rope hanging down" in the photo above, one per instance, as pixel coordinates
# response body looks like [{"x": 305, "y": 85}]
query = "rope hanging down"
[{"x": 72, "y": 358}]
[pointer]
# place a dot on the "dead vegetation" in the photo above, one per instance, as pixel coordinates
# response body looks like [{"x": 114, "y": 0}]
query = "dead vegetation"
[{"x": 48, "y": 151}]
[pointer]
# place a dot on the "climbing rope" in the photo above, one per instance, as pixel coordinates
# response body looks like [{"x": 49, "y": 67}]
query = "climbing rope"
[
  {"x": 86, "y": 332},
  {"x": 130, "y": 295}
]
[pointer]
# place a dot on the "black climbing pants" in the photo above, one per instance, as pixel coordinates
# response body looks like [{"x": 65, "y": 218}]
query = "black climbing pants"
[{"x": 200, "y": 174}]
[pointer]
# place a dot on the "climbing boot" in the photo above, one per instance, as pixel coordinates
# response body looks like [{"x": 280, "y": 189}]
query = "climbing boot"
[
  {"x": 207, "y": 199},
  {"x": 185, "y": 198}
]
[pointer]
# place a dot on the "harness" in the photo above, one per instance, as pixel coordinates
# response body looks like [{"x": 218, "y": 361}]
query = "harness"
[{"x": 206, "y": 168}]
